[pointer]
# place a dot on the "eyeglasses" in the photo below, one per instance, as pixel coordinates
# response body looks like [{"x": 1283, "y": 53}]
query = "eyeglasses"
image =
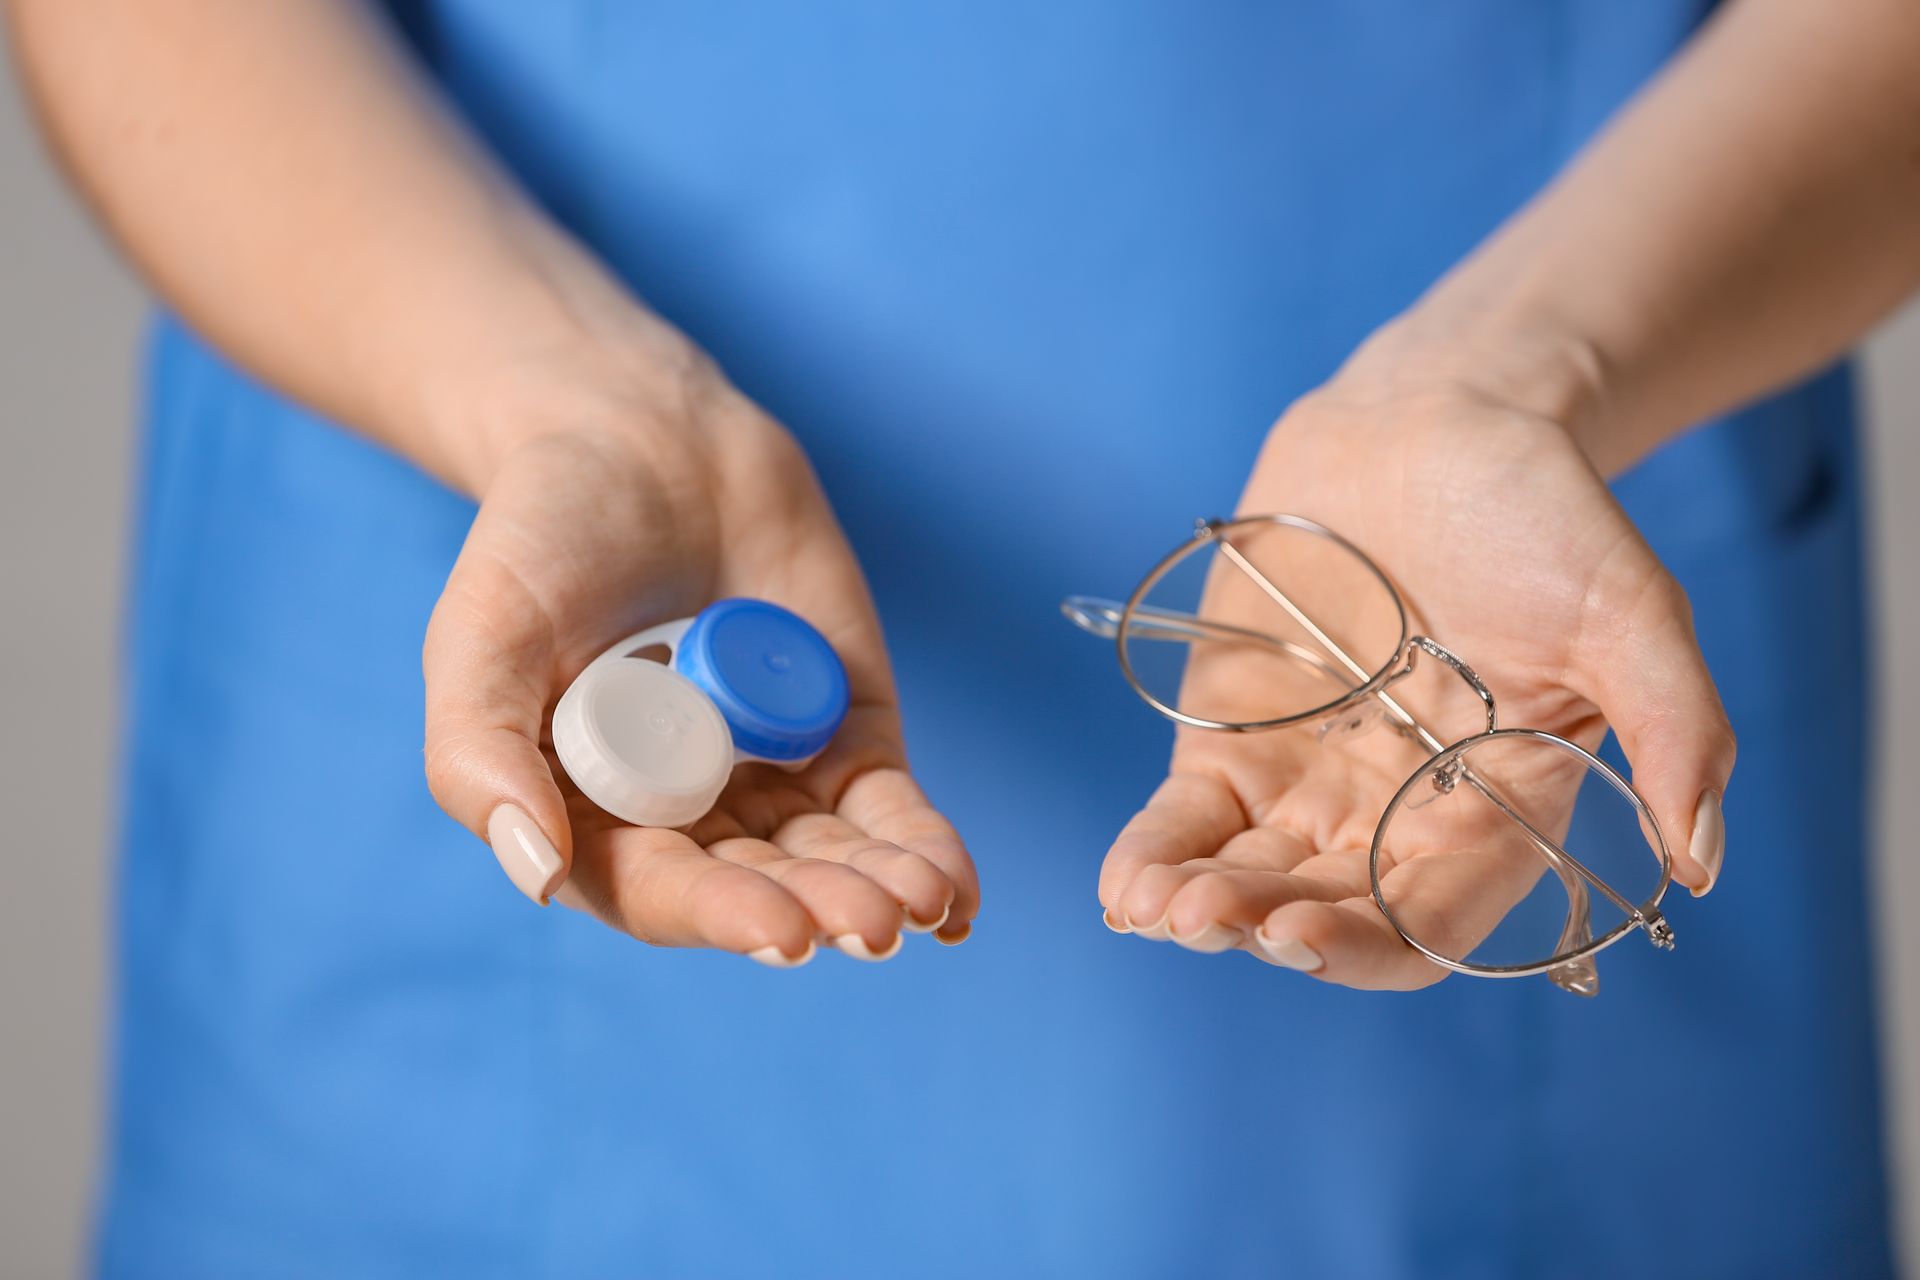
[{"x": 1225, "y": 633}]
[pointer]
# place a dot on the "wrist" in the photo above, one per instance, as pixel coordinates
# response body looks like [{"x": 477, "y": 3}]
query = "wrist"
[
  {"x": 1522, "y": 362},
  {"x": 631, "y": 382}
]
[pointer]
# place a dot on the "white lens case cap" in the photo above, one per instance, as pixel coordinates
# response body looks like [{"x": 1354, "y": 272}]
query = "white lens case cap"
[{"x": 643, "y": 741}]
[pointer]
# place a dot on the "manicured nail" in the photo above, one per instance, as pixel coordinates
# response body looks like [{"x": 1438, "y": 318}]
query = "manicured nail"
[
  {"x": 1290, "y": 953},
  {"x": 524, "y": 853},
  {"x": 1709, "y": 844},
  {"x": 915, "y": 926},
  {"x": 775, "y": 958},
  {"x": 953, "y": 937},
  {"x": 1118, "y": 926},
  {"x": 1157, "y": 931},
  {"x": 856, "y": 946},
  {"x": 1212, "y": 939}
]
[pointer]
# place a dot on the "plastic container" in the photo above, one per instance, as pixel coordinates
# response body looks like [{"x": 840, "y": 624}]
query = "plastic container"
[{"x": 653, "y": 742}]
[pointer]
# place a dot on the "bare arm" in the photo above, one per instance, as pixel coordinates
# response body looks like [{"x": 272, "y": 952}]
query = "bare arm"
[
  {"x": 285, "y": 180},
  {"x": 1752, "y": 214},
  {"x": 281, "y": 177},
  {"x": 1743, "y": 221}
]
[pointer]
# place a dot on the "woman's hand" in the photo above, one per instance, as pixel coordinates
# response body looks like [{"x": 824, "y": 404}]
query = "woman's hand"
[
  {"x": 650, "y": 495},
  {"x": 1510, "y": 550},
  {"x": 290, "y": 183}
]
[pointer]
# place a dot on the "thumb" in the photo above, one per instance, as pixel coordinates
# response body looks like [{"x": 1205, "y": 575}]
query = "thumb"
[
  {"x": 1652, "y": 684},
  {"x": 487, "y": 661}
]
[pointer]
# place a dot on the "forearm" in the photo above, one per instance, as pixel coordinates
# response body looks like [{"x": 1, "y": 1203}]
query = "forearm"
[
  {"x": 281, "y": 177},
  {"x": 1743, "y": 222}
]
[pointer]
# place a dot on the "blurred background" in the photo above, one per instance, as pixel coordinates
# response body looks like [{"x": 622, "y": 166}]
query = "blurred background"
[{"x": 70, "y": 319}]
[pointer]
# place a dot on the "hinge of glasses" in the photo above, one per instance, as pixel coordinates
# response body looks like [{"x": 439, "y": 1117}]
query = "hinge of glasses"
[{"x": 1659, "y": 932}]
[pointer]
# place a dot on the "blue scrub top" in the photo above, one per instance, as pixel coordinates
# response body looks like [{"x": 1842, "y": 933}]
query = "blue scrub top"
[{"x": 1030, "y": 281}]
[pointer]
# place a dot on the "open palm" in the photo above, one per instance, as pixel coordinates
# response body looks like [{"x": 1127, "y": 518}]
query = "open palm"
[
  {"x": 1511, "y": 551},
  {"x": 588, "y": 535}
]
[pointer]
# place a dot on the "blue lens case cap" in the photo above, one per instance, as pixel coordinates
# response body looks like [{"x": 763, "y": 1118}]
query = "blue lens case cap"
[{"x": 779, "y": 685}]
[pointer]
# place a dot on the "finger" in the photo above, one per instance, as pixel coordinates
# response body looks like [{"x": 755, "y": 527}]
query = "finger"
[
  {"x": 1219, "y": 910},
  {"x": 1191, "y": 815},
  {"x": 888, "y": 804},
  {"x": 487, "y": 661},
  {"x": 1349, "y": 943},
  {"x": 1450, "y": 901},
  {"x": 1193, "y": 903},
  {"x": 923, "y": 891},
  {"x": 1266, "y": 849},
  {"x": 1144, "y": 904},
  {"x": 1651, "y": 682},
  {"x": 663, "y": 888},
  {"x": 860, "y": 917}
]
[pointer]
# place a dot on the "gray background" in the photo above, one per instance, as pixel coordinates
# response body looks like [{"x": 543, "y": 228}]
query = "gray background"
[{"x": 69, "y": 322}]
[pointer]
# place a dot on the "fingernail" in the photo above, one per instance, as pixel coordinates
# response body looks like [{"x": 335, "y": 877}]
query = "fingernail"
[
  {"x": 524, "y": 853},
  {"x": 1212, "y": 939},
  {"x": 856, "y": 946},
  {"x": 775, "y": 958},
  {"x": 955, "y": 938},
  {"x": 915, "y": 926},
  {"x": 1709, "y": 844},
  {"x": 1157, "y": 931},
  {"x": 1290, "y": 953},
  {"x": 1118, "y": 926}
]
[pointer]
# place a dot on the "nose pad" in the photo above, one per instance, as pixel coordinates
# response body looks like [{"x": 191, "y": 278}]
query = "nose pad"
[
  {"x": 1443, "y": 780},
  {"x": 1577, "y": 977},
  {"x": 1352, "y": 721}
]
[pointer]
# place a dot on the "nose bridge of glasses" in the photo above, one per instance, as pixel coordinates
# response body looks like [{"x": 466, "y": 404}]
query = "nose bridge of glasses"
[
  {"x": 1110, "y": 619},
  {"x": 1434, "y": 649}
]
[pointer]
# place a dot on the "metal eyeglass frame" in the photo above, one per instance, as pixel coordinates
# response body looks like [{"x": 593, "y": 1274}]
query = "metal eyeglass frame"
[{"x": 1571, "y": 967}]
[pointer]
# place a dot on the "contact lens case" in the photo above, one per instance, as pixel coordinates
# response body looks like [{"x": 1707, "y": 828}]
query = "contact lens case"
[{"x": 654, "y": 727}]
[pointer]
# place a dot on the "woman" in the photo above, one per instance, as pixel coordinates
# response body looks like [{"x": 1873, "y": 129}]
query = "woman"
[{"x": 1019, "y": 281}]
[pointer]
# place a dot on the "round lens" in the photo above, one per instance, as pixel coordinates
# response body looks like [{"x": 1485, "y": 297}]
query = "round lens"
[
  {"x": 1515, "y": 850},
  {"x": 1267, "y": 621}
]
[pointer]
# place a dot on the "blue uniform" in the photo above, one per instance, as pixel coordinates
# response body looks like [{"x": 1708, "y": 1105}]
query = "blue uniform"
[{"x": 1029, "y": 281}]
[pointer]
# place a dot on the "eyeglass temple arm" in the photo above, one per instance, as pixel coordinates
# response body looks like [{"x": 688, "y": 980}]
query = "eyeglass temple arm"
[
  {"x": 1540, "y": 839},
  {"x": 1102, "y": 618},
  {"x": 1578, "y": 930},
  {"x": 1577, "y": 976}
]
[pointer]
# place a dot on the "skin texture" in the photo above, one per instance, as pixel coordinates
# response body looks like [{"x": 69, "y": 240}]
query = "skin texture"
[
  {"x": 449, "y": 320},
  {"x": 285, "y": 181},
  {"x": 847, "y": 849},
  {"x": 1257, "y": 840},
  {"x": 1745, "y": 219}
]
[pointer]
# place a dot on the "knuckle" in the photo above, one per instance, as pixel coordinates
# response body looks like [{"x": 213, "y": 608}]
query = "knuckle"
[
  {"x": 447, "y": 766},
  {"x": 1199, "y": 902},
  {"x": 921, "y": 881},
  {"x": 1151, "y": 889}
]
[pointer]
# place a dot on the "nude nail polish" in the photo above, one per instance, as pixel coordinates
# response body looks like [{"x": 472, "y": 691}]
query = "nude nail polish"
[
  {"x": 524, "y": 853},
  {"x": 775, "y": 958},
  {"x": 1212, "y": 939},
  {"x": 1157, "y": 930},
  {"x": 1290, "y": 953},
  {"x": 1709, "y": 844},
  {"x": 856, "y": 946},
  {"x": 914, "y": 926}
]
